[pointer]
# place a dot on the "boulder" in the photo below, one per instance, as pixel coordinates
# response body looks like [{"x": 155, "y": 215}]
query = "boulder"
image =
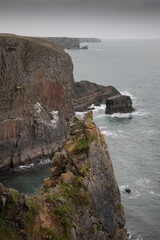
[
  {"x": 127, "y": 190},
  {"x": 119, "y": 104}
]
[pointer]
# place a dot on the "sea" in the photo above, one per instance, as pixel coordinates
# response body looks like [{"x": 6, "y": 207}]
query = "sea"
[{"x": 133, "y": 67}]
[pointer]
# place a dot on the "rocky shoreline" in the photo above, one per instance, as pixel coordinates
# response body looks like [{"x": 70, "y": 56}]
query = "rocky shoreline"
[
  {"x": 87, "y": 93},
  {"x": 80, "y": 200}
]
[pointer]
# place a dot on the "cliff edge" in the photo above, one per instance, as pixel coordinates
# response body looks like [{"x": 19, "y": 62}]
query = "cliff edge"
[
  {"x": 36, "y": 83},
  {"x": 80, "y": 200}
]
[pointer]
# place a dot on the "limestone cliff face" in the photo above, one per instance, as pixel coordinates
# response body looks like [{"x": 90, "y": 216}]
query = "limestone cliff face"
[
  {"x": 79, "y": 201},
  {"x": 35, "y": 99}
]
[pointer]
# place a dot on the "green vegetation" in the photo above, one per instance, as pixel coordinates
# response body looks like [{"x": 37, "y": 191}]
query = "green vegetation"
[
  {"x": 62, "y": 214},
  {"x": 8, "y": 232},
  {"x": 15, "y": 195},
  {"x": 84, "y": 169},
  {"x": 82, "y": 146},
  {"x": 120, "y": 206},
  {"x": 100, "y": 227},
  {"x": 34, "y": 208}
]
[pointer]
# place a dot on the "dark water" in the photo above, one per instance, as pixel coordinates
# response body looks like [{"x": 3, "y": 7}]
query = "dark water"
[
  {"x": 27, "y": 179},
  {"x": 133, "y": 67}
]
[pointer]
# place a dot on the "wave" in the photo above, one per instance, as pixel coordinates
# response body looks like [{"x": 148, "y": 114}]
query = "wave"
[
  {"x": 143, "y": 182},
  {"x": 128, "y": 94},
  {"x": 108, "y": 133},
  {"x": 134, "y": 193},
  {"x": 33, "y": 165},
  {"x": 141, "y": 187},
  {"x": 120, "y": 115},
  {"x": 153, "y": 193},
  {"x": 96, "y": 49},
  {"x": 133, "y": 236}
]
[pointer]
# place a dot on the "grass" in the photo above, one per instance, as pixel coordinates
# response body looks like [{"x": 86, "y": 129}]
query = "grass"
[
  {"x": 82, "y": 146},
  {"x": 8, "y": 232}
]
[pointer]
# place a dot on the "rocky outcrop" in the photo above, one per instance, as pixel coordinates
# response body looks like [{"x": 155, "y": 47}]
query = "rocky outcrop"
[
  {"x": 87, "y": 93},
  {"x": 119, "y": 104},
  {"x": 80, "y": 200},
  {"x": 36, "y": 84},
  {"x": 63, "y": 42},
  {"x": 84, "y": 47},
  {"x": 92, "y": 40}
]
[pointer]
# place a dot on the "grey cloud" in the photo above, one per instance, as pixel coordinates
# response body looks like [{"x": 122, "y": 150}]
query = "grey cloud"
[{"x": 103, "y": 18}]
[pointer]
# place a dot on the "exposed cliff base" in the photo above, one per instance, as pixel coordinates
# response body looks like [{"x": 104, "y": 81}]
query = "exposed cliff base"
[
  {"x": 119, "y": 104},
  {"x": 80, "y": 200},
  {"x": 36, "y": 83},
  {"x": 87, "y": 93}
]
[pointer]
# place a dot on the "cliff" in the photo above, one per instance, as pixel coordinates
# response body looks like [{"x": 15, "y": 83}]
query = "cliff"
[
  {"x": 36, "y": 84},
  {"x": 63, "y": 42},
  {"x": 86, "y": 93},
  {"x": 93, "y": 40},
  {"x": 80, "y": 200}
]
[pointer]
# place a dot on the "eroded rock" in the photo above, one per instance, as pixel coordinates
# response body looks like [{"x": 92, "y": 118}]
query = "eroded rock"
[
  {"x": 119, "y": 104},
  {"x": 36, "y": 84}
]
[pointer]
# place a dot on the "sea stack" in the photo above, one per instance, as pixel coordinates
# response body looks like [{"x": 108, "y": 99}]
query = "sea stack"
[{"x": 119, "y": 104}]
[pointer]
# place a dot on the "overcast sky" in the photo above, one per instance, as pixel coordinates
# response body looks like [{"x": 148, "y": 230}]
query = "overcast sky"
[{"x": 81, "y": 18}]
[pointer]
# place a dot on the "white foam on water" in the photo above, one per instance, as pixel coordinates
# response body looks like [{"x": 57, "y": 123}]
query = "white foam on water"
[
  {"x": 96, "y": 49},
  {"x": 120, "y": 115},
  {"x": 33, "y": 165},
  {"x": 108, "y": 133},
  {"x": 134, "y": 194},
  {"x": 44, "y": 161},
  {"x": 153, "y": 193},
  {"x": 143, "y": 182},
  {"x": 101, "y": 107},
  {"x": 123, "y": 187},
  {"x": 26, "y": 167},
  {"x": 128, "y": 94}
]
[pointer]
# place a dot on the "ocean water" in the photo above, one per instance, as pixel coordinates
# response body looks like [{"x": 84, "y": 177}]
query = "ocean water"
[{"x": 133, "y": 67}]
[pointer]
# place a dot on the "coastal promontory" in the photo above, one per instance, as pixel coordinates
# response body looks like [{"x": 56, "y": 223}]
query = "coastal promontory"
[
  {"x": 36, "y": 83},
  {"x": 80, "y": 199}
]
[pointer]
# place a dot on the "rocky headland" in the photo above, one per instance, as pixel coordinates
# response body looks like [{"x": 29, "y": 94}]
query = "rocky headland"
[
  {"x": 36, "y": 83},
  {"x": 80, "y": 199},
  {"x": 92, "y": 40},
  {"x": 87, "y": 93},
  {"x": 69, "y": 43},
  {"x": 64, "y": 42}
]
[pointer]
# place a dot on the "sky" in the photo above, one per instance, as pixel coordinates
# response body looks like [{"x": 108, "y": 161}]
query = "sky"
[{"x": 81, "y": 18}]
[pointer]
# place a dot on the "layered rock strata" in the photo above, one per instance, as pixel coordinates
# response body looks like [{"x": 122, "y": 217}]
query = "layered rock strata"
[
  {"x": 119, "y": 104},
  {"x": 36, "y": 83},
  {"x": 87, "y": 93},
  {"x": 80, "y": 200}
]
